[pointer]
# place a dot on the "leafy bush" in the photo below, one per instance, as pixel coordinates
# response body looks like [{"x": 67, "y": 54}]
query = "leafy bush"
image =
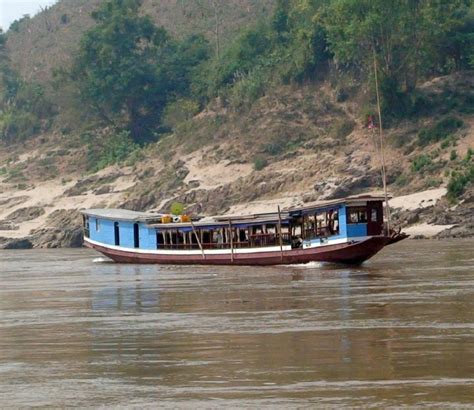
[
  {"x": 15, "y": 174},
  {"x": 394, "y": 102},
  {"x": 342, "y": 129},
  {"x": 469, "y": 156},
  {"x": 135, "y": 156},
  {"x": 18, "y": 125},
  {"x": 459, "y": 181},
  {"x": 177, "y": 208},
  {"x": 274, "y": 148},
  {"x": 23, "y": 105},
  {"x": 445, "y": 144},
  {"x": 17, "y": 24},
  {"x": 243, "y": 55},
  {"x": 247, "y": 90},
  {"x": 433, "y": 183},
  {"x": 420, "y": 162},
  {"x": 108, "y": 150},
  {"x": 277, "y": 145},
  {"x": 260, "y": 163},
  {"x": 179, "y": 111},
  {"x": 453, "y": 155},
  {"x": 402, "y": 180},
  {"x": 440, "y": 131}
]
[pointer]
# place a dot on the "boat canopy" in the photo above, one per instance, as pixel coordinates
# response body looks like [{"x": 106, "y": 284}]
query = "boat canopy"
[
  {"x": 221, "y": 222},
  {"x": 122, "y": 215},
  {"x": 356, "y": 200}
]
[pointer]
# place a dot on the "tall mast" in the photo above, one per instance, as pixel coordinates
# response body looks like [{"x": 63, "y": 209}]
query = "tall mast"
[{"x": 382, "y": 153}]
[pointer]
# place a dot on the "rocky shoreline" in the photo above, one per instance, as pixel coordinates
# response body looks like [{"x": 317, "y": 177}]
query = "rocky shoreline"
[
  {"x": 454, "y": 221},
  {"x": 64, "y": 230},
  {"x": 432, "y": 217}
]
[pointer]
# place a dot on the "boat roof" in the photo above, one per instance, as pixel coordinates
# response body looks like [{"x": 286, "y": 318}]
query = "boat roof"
[
  {"x": 223, "y": 220},
  {"x": 121, "y": 214},
  {"x": 324, "y": 204}
]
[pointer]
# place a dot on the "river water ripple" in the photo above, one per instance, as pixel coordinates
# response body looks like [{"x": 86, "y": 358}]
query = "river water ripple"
[{"x": 76, "y": 330}]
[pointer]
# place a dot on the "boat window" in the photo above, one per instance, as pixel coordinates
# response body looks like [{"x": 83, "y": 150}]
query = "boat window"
[
  {"x": 176, "y": 237},
  {"x": 373, "y": 215},
  {"x": 193, "y": 238},
  {"x": 160, "y": 238},
  {"x": 179, "y": 238},
  {"x": 320, "y": 224},
  {"x": 117, "y": 234},
  {"x": 206, "y": 237},
  {"x": 85, "y": 220},
  {"x": 271, "y": 229},
  {"x": 223, "y": 237},
  {"x": 357, "y": 215},
  {"x": 136, "y": 236},
  {"x": 243, "y": 235},
  {"x": 97, "y": 224}
]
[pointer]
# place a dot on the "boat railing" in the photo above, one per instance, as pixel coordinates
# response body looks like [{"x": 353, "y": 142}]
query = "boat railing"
[
  {"x": 318, "y": 233},
  {"x": 255, "y": 241},
  {"x": 212, "y": 245}
]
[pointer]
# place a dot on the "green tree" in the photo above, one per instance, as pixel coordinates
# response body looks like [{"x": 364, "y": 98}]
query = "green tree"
[
  {"x": 22, "y": 105},
  {"x": 127, "y": 67},
  {"x": 8, "y": 80},
  {"x": 304, "y": 53},
  {"x": 410, "y": 39},
  {"x": 455, "y": 35}
]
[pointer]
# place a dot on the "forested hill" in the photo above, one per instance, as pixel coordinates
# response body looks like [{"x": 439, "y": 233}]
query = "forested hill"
[
  {"x": 39, "y": 45},
  {"x": 216, "y": 103}
]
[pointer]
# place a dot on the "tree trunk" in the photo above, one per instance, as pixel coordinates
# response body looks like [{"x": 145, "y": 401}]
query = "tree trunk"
[{"x": 217, "y": 11}]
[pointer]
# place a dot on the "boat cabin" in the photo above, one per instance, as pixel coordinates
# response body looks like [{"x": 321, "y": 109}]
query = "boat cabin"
[{"x": 354, "y": 218}]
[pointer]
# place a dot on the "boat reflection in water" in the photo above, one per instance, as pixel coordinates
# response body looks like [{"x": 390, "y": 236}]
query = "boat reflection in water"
[{"x": 215, "y": 323}]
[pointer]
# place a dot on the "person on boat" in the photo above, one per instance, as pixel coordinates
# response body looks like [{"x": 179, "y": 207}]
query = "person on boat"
[
  {"x": 298, "y": 242},
  {"x": 336, "y": 222},
  {"x": 220, "y": 239},
  {"x": 331, "y": 221}
]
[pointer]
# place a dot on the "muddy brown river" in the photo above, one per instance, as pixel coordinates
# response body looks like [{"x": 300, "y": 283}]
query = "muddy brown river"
[{"x": 76, "y": 330}]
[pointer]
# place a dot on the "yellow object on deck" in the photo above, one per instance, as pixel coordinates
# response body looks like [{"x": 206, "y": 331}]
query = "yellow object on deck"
[{"x": 166, "y": 219}]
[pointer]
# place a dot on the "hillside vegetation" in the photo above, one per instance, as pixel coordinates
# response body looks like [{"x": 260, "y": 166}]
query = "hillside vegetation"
[{"x": 213, "y": 103}]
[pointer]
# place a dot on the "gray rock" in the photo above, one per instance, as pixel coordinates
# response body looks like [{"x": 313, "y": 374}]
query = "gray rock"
[
  {"x": 25, "y": 214},
  {"x": 351, "y": 186},
  {"x": 20, "y": 243},
  {"x": 8, "y": 226},
  {"x": 105, "y": 189},
  {"x": 57, "y": 238},
  {"x": 194, "y": 184},
  {"x": 94, "y": 181},
  {"x": 413, "y": 217},
  {"x": 64, "y": 230}
]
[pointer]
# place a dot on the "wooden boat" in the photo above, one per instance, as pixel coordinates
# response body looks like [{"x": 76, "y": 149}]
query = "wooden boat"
[{"x": 349, "y": 231}]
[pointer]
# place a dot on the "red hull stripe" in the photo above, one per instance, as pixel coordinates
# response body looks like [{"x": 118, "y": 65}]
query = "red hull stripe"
[{"x": 356, "y": 252}]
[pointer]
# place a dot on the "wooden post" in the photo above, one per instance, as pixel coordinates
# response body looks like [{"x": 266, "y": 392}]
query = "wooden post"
[
  {"x": 279, "y": 232},
  {"x": 198, "y": 240},
  {"x": 231, "y": 242},
  {"x": 382, "y": 153}
]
